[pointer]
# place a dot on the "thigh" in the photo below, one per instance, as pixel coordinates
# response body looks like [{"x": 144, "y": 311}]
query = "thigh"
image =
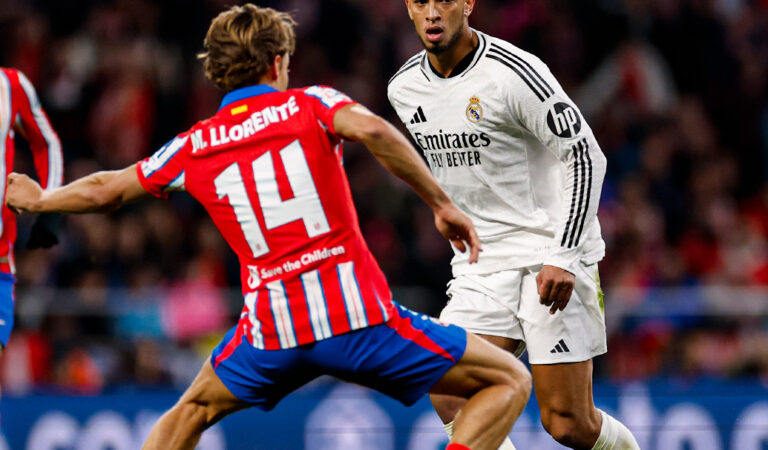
[
  {"x": 402, "y": 358},
  {"x": 486, "y": 304},
  {"x": 575, "y": 334},
  {"x": 6, "y": 307},
  {"x": 482, "y": 365},
  {"x": 564, "y": 388},
  {"x": 259, "y": 377},
  {"x": 514, "y": 346},
  {"x": 209, "y": 391}
]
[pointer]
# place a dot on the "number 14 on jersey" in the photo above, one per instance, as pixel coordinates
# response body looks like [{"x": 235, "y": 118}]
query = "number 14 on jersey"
[{"x": 305, "y": 204}]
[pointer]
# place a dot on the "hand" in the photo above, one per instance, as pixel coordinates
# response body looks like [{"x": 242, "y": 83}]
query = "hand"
[
  {"x": 555, "y": 287},
  {"x": 45, "y": 231},
  {"x": 455, "y": 226},
  {"x": 22, "y": 193}
]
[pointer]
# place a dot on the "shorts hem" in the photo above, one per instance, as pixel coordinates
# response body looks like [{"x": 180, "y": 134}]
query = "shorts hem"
[
  {"x": 564, "y": 360},
  {"x": 240, "y": 393},
  {"x": 484, "y": 332},
  {"x": 414, "y": 396}
]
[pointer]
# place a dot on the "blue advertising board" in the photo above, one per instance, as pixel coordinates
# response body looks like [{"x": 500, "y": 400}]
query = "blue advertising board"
[{"x": 325, "y": 415}]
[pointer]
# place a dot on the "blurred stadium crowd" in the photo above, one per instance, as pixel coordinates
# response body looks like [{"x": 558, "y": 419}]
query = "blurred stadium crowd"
[{"x": 676, "y": 91}]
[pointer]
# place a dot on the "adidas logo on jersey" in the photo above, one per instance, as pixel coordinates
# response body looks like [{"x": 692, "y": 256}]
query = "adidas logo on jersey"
[
  {"x": 418, "y": 116},
  {"x": 560, "y": 348}
]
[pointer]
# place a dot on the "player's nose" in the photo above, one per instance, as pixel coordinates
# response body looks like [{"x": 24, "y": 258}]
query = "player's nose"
[{"x": 432, "y": 11}]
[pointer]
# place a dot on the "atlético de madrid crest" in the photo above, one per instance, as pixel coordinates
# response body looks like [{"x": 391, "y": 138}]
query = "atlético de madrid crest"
[{"x": 474, "y": 110}]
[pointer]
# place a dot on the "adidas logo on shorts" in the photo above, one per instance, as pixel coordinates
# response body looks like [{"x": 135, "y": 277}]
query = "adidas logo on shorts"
[{"x": 560, "y": 348}]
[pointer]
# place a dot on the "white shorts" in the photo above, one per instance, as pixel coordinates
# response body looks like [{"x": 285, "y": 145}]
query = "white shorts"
[{"x": 507, "y": 304}]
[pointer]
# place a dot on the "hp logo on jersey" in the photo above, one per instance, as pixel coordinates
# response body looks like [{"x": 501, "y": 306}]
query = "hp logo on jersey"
[{"x": 564, "y": 120}]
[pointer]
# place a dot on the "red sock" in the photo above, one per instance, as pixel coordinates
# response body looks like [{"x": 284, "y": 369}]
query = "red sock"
[{"x": 457, "y": 447}]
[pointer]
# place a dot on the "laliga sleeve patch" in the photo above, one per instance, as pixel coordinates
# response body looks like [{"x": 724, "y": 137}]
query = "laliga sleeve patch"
[
  {"x": 161, "y": 157},
  {"x": 564, "y": 120},
  {"x": 328, "y": 96}
]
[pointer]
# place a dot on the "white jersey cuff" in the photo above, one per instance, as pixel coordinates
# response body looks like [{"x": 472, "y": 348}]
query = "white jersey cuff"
[{"x": 568, "y": 263}]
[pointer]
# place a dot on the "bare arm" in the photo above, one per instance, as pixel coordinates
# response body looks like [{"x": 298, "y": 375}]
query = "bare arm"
[
  {"x": 395, "y": 153},
  {"x": 392, "y": 149},
  {"x": 97, "y": 192}
]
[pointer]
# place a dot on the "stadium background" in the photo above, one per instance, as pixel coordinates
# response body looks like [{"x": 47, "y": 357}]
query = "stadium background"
[{"x": 122, "y": 312}]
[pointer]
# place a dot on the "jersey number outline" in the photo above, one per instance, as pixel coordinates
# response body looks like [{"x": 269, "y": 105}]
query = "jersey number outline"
[{"x": 305, "y": 204}]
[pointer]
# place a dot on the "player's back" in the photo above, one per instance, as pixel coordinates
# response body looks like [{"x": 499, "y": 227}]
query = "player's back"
[{"x": 267, "y": 168}]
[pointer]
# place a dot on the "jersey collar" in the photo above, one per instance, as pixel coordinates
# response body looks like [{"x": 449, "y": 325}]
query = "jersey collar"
[
  {"x": 245, "y": 92},
  {"x": 463, "y": 67}
]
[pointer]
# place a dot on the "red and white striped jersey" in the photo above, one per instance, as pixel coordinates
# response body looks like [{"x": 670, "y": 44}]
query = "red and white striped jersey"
[
  {"x": 268, "y": 169},
  {"x": 20, "y": 112}
]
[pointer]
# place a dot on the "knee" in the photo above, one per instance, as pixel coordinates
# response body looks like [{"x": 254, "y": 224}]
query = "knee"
[
  {"x": 562, "y": 428},
  {"x": 569, "y": 428},
  {"x": 447, "y": 406},
  {"x": 517, "y": 375}
]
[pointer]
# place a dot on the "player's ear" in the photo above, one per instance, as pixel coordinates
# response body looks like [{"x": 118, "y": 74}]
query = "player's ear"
[
  {"x": 274, "y": 69},
  {"x": 469, "y": 5},
  {"x": 408, "y": 8}
]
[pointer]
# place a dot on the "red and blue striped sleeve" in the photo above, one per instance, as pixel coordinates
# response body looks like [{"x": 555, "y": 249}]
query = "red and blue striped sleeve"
[
  {"x": 164, "y": 171},
  {"x": 325, "y": 102},
  {"x": 32, "y": 122}
]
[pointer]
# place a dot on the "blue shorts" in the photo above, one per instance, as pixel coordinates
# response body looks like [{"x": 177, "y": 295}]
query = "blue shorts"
[
  {"x": 402, "y": 358},
  {"x": 6, "y": 306}
]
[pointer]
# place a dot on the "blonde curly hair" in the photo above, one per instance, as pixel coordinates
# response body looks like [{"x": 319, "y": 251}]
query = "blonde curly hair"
[{"x": 242, "y": 42}]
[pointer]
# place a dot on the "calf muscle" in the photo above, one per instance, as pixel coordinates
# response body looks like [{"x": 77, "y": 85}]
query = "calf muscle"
[
  {"x": 496, "y": 386},
  {"x": 564, "y": 393},
  {"x": 204, "y": 403}
]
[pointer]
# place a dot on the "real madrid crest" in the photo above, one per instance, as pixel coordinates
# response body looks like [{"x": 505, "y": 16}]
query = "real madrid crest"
[{"x": 474, "y": 110}]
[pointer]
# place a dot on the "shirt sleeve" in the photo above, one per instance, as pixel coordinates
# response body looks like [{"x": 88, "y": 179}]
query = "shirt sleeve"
[
  {"x": 164, "y": 171},
  {"x": 325, "y": 102},
  {"x": 32, "y": 123},
  {"x": 539, "y": 104}
]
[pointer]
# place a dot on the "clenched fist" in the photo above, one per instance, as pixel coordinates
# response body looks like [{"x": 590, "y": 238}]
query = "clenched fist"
[{"x": 22, "y": 193}]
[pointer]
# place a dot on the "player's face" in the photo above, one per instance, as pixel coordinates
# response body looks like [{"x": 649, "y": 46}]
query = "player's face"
[{"x": 439, "y": 23}]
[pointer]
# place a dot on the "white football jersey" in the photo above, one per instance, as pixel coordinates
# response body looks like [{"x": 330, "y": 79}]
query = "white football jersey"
[{"x": 512, "y": 151}]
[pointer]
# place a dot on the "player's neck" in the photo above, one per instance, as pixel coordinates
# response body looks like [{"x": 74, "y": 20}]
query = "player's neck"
[
  {"x": 271, "y": 82},
  {"x": 445, "y": 62},
  {"x": 276, "y": 86}
]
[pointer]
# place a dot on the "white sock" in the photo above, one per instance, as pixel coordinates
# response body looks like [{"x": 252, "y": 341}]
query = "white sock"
[
  {"x": 614, "y": 435},
  {"x": 506, "y": 445},
  {"x": 449, "y": 429}
]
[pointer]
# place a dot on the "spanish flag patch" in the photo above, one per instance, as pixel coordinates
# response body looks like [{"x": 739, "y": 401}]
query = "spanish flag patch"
[{"x": 240, "y": 109}]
